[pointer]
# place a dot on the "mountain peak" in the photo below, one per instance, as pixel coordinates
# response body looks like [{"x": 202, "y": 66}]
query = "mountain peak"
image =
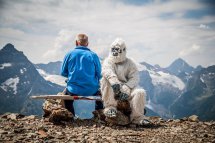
[
  {"x": 180, "y": 65},
  {"x": 180, "y": 60},
  {"x": 9, "y": 48}
]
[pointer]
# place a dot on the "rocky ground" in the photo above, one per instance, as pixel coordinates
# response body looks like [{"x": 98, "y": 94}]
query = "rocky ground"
[{"x": 19, "y": 128}]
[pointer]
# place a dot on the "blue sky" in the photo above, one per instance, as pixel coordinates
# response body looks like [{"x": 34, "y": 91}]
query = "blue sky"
[{"x": 155, "y": 31}]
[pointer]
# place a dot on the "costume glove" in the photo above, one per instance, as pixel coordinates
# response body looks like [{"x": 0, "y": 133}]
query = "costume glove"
[
  {"x": 125, "y": 89},
  {"x": 123, "y": 96},
  {"x": 116, "y": 88}
]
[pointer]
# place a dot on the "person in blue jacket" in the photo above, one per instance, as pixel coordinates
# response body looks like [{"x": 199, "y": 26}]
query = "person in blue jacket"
[{"x": 83, "y": 69}]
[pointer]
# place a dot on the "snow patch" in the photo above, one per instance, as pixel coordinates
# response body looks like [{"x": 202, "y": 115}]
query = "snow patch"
[
  {"x": 9, "y": 84},
  {"x": 165, "y": 78},
  {"x": 2, "y": 66},
  {"x": 57, "y": 79},
  {"x": 42, "y": 72},
  {"x": 211, "y": 73},
  {"x": 30, "y": 91},
  {"x": 21, "y": 71},
  {"x": 140, "y": 67},
  {"x": 202, "y": 80},
  {"x": 150, "y": 105}
]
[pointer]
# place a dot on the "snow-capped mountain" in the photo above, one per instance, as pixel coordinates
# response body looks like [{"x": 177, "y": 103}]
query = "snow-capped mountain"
[
  {"x": 52, "y": 68},
  {"x": 199, "y": 96},
  {"x": 54, "y": 78},
  {"x": 182, "y": 69},
  {"x": 19, "y": 79},
  {"x": 162, "y": 88},
  {"x": 180, "y": 66},
  {"x": 176, "y": 91},
  {"x": 51, "y": 72}
]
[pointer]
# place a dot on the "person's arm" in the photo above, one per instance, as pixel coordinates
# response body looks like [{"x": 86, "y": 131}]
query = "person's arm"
[
  {"x": 97, "y": 67},
  {"x": 133, "y": 75},
  {"x": 64, "y": 68},
  {"x": 109, "y": 73}
]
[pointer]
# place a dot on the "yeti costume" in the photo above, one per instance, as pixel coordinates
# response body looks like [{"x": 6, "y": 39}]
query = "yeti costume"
[{"x": 118, "y": 71}]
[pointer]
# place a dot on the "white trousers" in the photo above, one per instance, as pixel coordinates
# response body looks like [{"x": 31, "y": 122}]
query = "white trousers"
[{"x": 137, "y": 101}]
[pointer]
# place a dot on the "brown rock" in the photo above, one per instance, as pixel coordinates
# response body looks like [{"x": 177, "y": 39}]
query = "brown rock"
[
  {"x": 120, "y": 119},
  {"x": 15, "y": 116},
  {"x": 3, "y": 132},
  {"x": 193, "y": 118},
  {"x": 55, "y": 112},
  {"x": 42, "y": 133}
]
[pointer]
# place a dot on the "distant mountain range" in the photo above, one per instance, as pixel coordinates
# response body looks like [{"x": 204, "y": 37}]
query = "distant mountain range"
[
  {"x": 18, "y": 81},
  {"x": 173, "y": 92}
]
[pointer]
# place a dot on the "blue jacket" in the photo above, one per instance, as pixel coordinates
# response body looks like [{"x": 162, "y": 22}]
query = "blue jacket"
[{"x": 83, "y": 70}]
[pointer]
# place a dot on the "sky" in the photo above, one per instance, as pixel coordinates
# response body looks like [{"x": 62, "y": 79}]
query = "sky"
[{"x": 155, "y": 31}]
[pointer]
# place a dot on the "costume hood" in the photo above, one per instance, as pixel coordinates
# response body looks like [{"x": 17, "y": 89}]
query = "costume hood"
[{"x": 118, "y": 51}]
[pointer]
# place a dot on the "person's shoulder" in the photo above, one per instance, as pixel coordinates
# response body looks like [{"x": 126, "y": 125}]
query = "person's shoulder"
[
  {"x": 108, "y": 61},
  {"x": 69, "y": 53},
  {"x": 94, "y": 54},
  {"x": 131, "y": 62}
]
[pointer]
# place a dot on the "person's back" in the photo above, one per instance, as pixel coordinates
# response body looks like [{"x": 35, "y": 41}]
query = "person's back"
[{"x": 83, "y": 69}]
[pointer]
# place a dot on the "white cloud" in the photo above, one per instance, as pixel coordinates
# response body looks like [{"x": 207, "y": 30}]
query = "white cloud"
[
  {"x": 50, "y": 28},
  {"x": 62, "y": 43},
  {"x": 203, "y": 26},
  {"x": 194, "y": 48}
]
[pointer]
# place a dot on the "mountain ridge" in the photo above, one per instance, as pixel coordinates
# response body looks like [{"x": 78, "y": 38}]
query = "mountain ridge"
[{"x": 19, "y": 80}]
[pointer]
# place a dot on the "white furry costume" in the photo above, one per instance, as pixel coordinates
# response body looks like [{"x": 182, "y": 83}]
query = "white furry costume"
[{"x": 118, "y": 69}]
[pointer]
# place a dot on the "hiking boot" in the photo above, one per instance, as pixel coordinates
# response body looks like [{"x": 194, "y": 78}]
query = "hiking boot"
[
  {"x": 145, "y": 122},
  {"x": 111, "y": 113}
]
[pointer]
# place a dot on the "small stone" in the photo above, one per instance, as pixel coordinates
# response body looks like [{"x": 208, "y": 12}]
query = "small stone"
[
  {"x": 177, "y": 120},
  {"x": 86, "y": 137},
  {"x": 205, "y": 135},
  {"x": 15, "y": 116},
  {"x": 85, "y": 132},
  {"x": 3, "y": 132},
  {"x": 18, "y": 130},
  {"x": 208, "y": 123},
  {"x": 59, "y": 133},
  {"x": 169, "y": 120},
  {"x": 30, "y": 135},
  {"x": 193, "y": 118},
  {"x": 42, "y": 133},
  {"x": 102, "y": 127},
  {"x": 184, "y": 119},
  {"x": 32, "y": 117},
  {"x": 12, "y": 116}
]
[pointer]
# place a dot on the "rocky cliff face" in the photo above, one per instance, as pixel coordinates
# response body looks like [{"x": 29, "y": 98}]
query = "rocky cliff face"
[
  {"x": 198, "y": 97},
  {"x": 162, "y": 88},
  {"x": 19, "y": 128},
  {"x": 18, "y": 81}
]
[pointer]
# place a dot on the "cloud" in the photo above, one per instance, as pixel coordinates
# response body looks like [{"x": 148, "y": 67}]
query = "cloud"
[
  {"x": 193, "y": 49},
  {"x": 153, "y": 31},
  {"x": 63, "y": 43},
  {"x": 203, "y": 26}
]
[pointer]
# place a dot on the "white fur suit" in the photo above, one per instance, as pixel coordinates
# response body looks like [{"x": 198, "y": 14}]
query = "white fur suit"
[{"x": 117, "y": 69}]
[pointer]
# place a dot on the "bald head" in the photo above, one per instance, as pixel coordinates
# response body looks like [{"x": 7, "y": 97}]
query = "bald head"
[{"x": 81, "y": 40}]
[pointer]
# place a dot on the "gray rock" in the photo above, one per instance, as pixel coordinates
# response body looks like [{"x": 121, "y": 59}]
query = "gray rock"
[
  {"x": 3, "y": 131},
  {"x": 193, "y": 118}
]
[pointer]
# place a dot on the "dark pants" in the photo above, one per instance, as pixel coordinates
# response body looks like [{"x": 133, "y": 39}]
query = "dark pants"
[{"x": 69, "y": 103}]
